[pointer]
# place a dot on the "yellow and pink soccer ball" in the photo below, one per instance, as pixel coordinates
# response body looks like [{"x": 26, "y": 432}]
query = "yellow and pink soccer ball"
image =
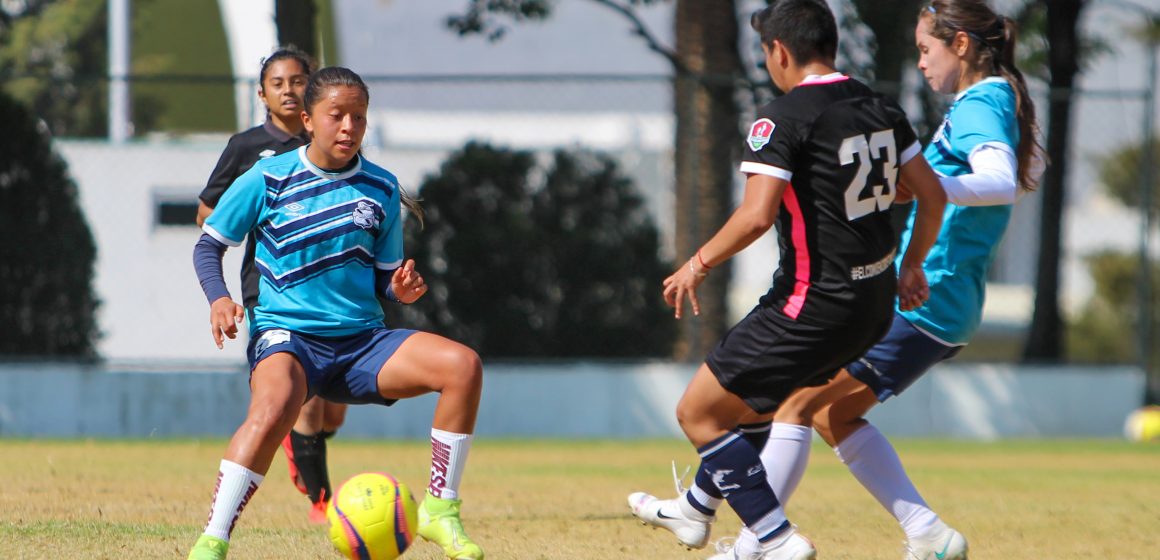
[
  {"x": 1143, "y": 424},
  {"x": 372, "y": 516}
]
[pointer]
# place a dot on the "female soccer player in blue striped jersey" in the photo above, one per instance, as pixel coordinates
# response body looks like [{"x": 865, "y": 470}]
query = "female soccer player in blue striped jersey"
[
  {"x": 823, "y": 162},
  {"x": 328, "y": 230},
  {"x": 986, "y": 155},
  {"x": 281, "y": 85}
]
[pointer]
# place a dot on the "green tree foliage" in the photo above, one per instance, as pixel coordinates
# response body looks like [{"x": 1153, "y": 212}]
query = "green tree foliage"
[
  {"x": 181, "y": 55},
  {"x": 47, "y": 304},
  {"x": 1105, "y": 330},
  {"x": 1120, "y": 172},
  {"x": 531, "y": 260},
  {"x": 52, "y": 58}
]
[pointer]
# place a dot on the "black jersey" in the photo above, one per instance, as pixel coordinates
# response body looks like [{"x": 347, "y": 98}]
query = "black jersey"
[
  {"x": 242, "y": 151},
  {"x": 839, "y": 144}
]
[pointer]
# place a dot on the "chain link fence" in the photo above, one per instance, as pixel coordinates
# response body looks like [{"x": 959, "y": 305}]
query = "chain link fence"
[{"x": 416, "y": 121}]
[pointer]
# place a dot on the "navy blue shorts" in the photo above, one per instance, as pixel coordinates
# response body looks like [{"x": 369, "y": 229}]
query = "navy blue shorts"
[
  {"x": 899, "y": 359},
  {"x": 343, "y": 370},
  {"x": 767, "y": 355}
]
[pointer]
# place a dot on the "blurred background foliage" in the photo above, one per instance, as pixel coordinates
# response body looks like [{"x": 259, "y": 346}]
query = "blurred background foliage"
[{"x": 530, "y": 258}]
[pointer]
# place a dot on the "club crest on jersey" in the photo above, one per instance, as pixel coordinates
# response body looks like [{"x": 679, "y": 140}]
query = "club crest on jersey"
[
  {"x": 760, "y": 133},
  {"x": 364, "y": 215}
]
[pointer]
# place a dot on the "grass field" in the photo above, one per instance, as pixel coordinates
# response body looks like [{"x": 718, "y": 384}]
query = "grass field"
[{"x": 566, "y": 499}]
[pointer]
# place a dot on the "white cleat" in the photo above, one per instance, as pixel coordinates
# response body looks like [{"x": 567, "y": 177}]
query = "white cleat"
[
  {"x": 727, "y": 549},
  {"x": 690, "y": 526},
  {"x": 941, "y": 543},
  {"x": 792, "y": 547}
]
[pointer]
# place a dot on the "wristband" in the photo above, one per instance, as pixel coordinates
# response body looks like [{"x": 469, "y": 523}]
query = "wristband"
[{"x": 701, "y": 261}]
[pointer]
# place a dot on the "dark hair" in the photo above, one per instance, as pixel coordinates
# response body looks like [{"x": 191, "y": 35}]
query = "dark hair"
[
  {"x": 337, "y": 76},
  {"x": 289, "y": 52},
  {"x": 806, "y": 28},
  {"x": 995, "y": 37},
  {"x": 332, "y": 76}
]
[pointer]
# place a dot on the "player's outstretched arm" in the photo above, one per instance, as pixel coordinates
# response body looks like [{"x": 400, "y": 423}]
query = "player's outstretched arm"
[
  {"x": 920, "y": 180},
  {"x": 749, "y": 221}
]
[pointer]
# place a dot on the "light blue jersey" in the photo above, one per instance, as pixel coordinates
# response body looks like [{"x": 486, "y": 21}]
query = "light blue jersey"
[
  {"x": 956, "y": 267},
  {"x": 319, "y": 238}
]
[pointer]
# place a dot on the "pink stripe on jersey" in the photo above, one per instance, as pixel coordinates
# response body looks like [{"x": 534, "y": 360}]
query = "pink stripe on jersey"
[
  {"x": 801, "y": 251},
  {"x": 828, "y": 79}
]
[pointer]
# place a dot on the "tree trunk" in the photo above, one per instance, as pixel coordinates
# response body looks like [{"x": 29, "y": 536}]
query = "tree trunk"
[
  {"x": 708, "y": 135},
  {"x": 893, "y": 27},
  {"x": 296, "y": 24},
  {"x": 1045, "y": 340}
]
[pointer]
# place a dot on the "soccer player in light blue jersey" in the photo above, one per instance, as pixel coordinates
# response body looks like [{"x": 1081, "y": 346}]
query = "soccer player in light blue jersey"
[
  {"x": 986, "y": 155},
  {"x": 328, "y": 225},
  {"x": 281, "y": 86}
]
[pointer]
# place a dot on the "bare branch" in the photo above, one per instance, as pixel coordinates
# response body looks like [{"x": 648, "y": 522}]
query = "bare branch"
[{"x": 640, "y": 29}]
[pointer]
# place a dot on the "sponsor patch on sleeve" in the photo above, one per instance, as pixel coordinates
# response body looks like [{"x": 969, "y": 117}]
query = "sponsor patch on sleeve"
[{"x": 760, "y": 133}]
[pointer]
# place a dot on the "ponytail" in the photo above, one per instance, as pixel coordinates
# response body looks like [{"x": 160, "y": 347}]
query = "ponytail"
[
  {"x": 412, "y": 205},
  {"x": 1029, "y": 154}
]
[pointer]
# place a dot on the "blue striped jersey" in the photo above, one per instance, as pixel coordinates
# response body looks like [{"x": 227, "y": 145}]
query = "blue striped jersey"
[
  {"x": 956, "y": 267},
  {"x": 319, "y": 235}
]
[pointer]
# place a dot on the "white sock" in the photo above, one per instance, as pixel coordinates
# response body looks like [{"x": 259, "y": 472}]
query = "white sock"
[
  {"x": 785, "y": 457},
  {"x": 873, "y": 461},
  {"x": 709, "y": 502},
  {"x": 691, "y": 512},
  {"x": 235, "y": 486},
  {"x": 448, "y": 457}
]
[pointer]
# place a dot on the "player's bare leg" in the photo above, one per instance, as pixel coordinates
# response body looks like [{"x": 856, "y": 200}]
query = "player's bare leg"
[
  {"x": 874, "y": 462},
  {"x": 785, "y": 455},
  {"x": 333, "y": 417},
  {"x": 730, "y": 467},
  {"x": 278, "y": 386},
  {"x": 424, "y": 363}
]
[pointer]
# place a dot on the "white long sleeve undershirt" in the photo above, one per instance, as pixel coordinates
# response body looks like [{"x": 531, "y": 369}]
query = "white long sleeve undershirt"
[{"x": 992, "y": 180}]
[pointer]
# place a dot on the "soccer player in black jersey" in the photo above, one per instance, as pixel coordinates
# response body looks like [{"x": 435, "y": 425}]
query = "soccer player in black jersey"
[
  {"x": 281, "y": 85},
  {"x": 822, "y": 162}
]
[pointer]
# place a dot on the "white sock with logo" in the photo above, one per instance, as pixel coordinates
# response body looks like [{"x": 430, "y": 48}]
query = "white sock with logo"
[
  {"x": 448, "y": 458},
  {"x": 873, "y": 461},
  {"x": 235, "y": 486}
]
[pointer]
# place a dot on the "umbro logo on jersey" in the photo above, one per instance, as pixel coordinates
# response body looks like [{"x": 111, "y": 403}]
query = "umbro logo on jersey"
[
  {"x": 265, "y": 153},
  {"x": 760, "y": 133}
]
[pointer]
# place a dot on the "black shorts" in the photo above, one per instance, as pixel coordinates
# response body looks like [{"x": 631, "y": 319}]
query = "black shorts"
[{"x": 767, "y": 355}]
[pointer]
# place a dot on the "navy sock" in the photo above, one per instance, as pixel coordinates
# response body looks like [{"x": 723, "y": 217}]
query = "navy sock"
[
  {"x": 757, "y": 434},
  {"x": 734, "y": 467},
  {"x": 704, "y": 481}
]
